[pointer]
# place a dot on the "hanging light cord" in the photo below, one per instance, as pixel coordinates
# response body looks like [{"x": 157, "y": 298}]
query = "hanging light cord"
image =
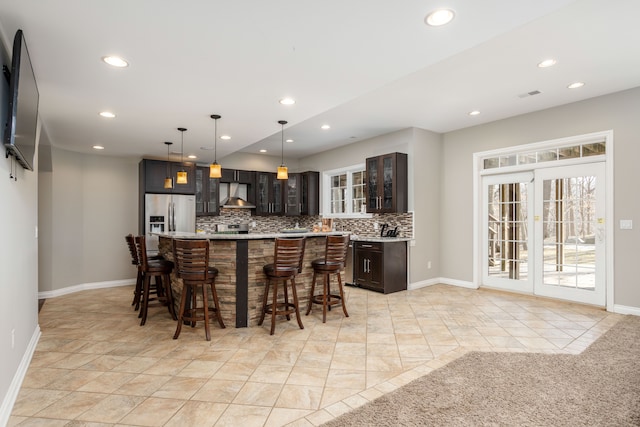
[
  {"x": 215, "y": 139},
  {"x": 282, "y": 123}
]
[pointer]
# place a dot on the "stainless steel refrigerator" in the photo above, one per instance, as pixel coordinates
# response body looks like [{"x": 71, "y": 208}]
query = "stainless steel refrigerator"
[{"x": 166, "y": 213}]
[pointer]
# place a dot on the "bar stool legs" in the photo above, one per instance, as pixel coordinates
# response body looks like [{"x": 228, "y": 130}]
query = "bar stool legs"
[
  {"x": 326, "y": 299},
  {"x": 195, "y": 313},
  {"x": 285, "y": 308}
]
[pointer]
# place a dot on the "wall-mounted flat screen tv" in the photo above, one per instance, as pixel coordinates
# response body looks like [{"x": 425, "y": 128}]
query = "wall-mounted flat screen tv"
[{"x": 22, "y": 123}]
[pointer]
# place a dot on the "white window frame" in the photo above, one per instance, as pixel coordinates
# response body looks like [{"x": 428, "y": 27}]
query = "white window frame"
[{"x": 326, "y": 192}]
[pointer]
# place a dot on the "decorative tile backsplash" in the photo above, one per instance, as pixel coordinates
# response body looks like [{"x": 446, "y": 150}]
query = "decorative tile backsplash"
[{"x": 364, "y": 227}]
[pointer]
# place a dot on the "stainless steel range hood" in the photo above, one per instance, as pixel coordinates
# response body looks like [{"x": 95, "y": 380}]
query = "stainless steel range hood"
[
  {"x": 235, "y": 200},
  {"x": 236, "y": 203}
]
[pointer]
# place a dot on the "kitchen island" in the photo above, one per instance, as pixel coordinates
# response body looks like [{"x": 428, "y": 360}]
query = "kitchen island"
[{"x": 239, "y": 259}]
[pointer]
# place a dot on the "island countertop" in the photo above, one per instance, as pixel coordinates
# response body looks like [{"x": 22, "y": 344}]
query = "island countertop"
[
  {"x": 258, "y": 236},
  {"x": 249, "y": 236}
]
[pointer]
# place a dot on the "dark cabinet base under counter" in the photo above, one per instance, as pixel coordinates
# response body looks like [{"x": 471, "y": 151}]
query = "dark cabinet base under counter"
[{"x": 380, "y": 265}]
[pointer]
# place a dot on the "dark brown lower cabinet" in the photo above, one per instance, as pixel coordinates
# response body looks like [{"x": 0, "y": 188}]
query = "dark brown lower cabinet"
[{"x": 380, "y": 266}]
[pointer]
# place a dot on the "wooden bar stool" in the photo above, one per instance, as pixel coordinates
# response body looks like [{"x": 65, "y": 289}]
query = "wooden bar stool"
[
  {"x": 287, "y": 263},
  {"x": 158, "y": 268},
  {"x": 192, "y": 266},
  {"x": 334, "y": 259},
  {"x": 133, "y": 250},
  {"x": 135, "y": 260}
]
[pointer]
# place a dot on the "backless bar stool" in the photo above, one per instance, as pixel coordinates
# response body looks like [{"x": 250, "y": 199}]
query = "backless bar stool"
[
  {"x": 287, "y": 263},
  {"x": 192, "y": 266},
  {"x": 334, "y": 259},
  {"x": 158, "y": 268}
]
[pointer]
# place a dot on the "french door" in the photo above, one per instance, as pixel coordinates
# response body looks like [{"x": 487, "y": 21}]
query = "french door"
[
  {"x": 570, "y": 233},
  {"x": 544, "y": 232}
]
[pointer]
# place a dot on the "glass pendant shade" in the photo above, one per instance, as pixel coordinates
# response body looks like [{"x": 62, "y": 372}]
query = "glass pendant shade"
[
  {"x": 182, "y": 177},
  {"x": 282, "y": 172},
  {"x": 215, "y": 170},
  {"x": 282, "y": 169},
  {"x": 168, "y": 181}
]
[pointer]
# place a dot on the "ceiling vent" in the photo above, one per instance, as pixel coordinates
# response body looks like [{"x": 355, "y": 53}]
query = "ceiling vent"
[{"x": 533, "y": 92}]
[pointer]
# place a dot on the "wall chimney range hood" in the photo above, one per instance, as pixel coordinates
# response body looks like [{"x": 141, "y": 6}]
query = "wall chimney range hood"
[{"x": 235, "y": 201}]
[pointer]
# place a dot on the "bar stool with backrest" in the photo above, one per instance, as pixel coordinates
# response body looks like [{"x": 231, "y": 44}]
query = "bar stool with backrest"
[
  {"x": 192, "y": 266},
  {"x": 335, "y": 256},
  {"x": 287, "y": 263},
  {"x": 133, "y": 250},
  {"x": 160, "y": 269}
]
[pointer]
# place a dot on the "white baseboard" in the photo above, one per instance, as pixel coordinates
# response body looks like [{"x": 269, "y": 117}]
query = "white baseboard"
[
  {"x": 84, "y": 287},
  {"x": 625, "y": 309},
  {"x": 442, "y": 281},
  {"x": 14, "y": 388}
]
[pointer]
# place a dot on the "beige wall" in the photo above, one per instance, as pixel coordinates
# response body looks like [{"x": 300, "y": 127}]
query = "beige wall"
[
  {"x": 426, "y": 189},
  {"x": 619, "y": 112},
  {"x": 93, "y": 204},
  {"x": 18, "y": 262}
]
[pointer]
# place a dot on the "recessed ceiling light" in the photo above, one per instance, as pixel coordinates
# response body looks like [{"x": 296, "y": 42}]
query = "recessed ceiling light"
[
  {"x": 115, "y": 61},
  {"x": 107, "y": 114},
  {"x": 288, "y": 140},
  {"x": 287, "y": 101},
  {"x": 225, "y": 137},
  {"x": 325, "y": 127},
  {"x": 575, "y": 85},
  {"x": 439, "y": 17},
  {"x": 547, "y": 63},
  {"x": 98, "y": 147},
  {"x": 263, "y": 151},
  {"x": 192, "y": 156},
  {"x": 474, "y": 113}
]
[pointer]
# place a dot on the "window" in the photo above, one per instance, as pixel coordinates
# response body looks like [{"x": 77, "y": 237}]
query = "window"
[
  {"x": 343, "y": 192},
  {"x": 540, "y": 155}
]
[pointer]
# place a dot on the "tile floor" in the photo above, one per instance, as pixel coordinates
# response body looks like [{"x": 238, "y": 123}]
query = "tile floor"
[{"x": 95, "y": 366}]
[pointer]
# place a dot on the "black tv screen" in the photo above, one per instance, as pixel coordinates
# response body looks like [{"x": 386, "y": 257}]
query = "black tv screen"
[{"x": 22, "y": 123}]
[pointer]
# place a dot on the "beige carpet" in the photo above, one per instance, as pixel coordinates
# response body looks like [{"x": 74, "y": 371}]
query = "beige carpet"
[{"x": 600, "y": 387}]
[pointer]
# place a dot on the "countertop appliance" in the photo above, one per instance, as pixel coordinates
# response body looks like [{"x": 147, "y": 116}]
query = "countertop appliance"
[
  {"x": 166, "y": 213},
  {"x": 232, "y": 228}
]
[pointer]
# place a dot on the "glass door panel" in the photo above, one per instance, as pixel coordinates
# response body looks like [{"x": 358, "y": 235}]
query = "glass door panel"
[
  {"x": 508, "y": 224},
  {"x": 570, "y": 221}
]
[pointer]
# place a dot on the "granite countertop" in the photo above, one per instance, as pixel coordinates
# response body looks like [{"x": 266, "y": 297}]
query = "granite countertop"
[
  {"x": 250, "y": 236},
  {"x": 379, "y": 239},
  {"x": 257, "y": 236}
]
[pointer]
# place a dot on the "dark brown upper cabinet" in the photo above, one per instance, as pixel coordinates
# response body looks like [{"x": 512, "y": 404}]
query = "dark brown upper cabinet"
[
  {"x": 207, "y": 193},
  {"x": 237, "y": 176},
  {"x": 152, "y": 174},
  {"x": 387, "y": 182},
  {"x": 268, "y": 194}
]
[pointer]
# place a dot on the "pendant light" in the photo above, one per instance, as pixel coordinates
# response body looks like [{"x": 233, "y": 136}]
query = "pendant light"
[
  {"x": 215, "y": 170},
  {"x": 182, "y": 174},
  {"x": 282, "y": 169},
  {"x": 168, "y": 181}
]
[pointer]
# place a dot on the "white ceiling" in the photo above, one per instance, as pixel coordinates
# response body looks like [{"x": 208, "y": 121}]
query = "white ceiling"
[{"x": 366, "y": 67}]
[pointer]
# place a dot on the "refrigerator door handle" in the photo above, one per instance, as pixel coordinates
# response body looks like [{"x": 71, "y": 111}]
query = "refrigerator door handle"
[{"x": 173, "y": 216}]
